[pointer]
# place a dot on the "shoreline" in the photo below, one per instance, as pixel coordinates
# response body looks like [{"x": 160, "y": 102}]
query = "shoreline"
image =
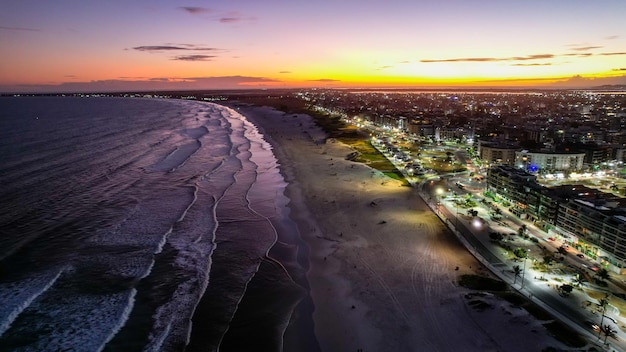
[{"x": 381, "y": 270}]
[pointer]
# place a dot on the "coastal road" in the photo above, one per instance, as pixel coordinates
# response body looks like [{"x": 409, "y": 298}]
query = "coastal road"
[{"x": 567, "y": 309}]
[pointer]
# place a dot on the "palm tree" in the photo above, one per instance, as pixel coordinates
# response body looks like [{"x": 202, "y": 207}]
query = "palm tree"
[
  {"x": 516, "y": 271},
  {"x": 603, "y": 303},
  {"x": 608, "y": 331},
  {"x": 579, "y": 280},
  {"x": 522, "y": 230}
]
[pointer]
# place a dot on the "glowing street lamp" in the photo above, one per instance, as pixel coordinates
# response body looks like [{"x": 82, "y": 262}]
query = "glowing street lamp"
[{"x": 438, "y": 193}]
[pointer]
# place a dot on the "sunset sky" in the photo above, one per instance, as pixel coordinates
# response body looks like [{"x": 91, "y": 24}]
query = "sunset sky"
[{"x": 157, "y": 44}]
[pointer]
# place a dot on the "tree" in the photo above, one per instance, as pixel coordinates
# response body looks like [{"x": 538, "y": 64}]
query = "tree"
[
  {"x": 603, "y": 303},
  {"x": 566, "y": 289},
  {"x": 603, "y": 274},
  {"x": 496, "y": 236},
  {"x": 522, "y": 230},
  {"x": 520, "y": 252},
  {"x": 579, "y": 280},
  {"x": 608, "y": 331},
  {"x": 562, "y": 250},
  {"x": 548, "y": 259},
  {"x": 517, "y": 271}
]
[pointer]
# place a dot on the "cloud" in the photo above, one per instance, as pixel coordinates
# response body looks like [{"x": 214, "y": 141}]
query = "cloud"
[
  {"x": 611, "y": 37},
  {"x": 493, "y": 59},
  {"x": 157, "y": 48},
  {"x": 586, "y": 48},
  {"x": 194, "y": 10},
  {"x": 619, "y": 69},
  {"x": 147, "y": 84},
  {"x": 230, "y": 19},
  {"x": 579, "y": 54},
  {"x": 384, "y": 67},
  {"x": 194, "y": 57},
  {"x": 611, "y": 54},
  {"x": 25, "y": 29},
  {"x": 284, "y": 72}
]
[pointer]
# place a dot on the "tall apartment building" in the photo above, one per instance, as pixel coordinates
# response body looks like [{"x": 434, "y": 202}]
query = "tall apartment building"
[
  {"x": 590, "y": 220},
  {"x": 514, "y": 185},
  {"x": 495, "y": 153},
  {"x": 549, "y": 161},
  {"x": 597, "y": 228}
]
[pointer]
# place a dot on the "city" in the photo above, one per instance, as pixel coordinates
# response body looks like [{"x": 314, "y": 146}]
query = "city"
[{"x": 539, "y": 175}]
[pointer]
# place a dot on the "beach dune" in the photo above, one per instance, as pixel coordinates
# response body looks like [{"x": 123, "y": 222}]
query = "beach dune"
[{"x": 382, "y": 267}]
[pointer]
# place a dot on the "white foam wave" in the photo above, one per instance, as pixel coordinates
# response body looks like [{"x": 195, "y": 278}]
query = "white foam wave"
[
  {"x": 123, "y": 318},
  {"x": 19, "y": 295}
]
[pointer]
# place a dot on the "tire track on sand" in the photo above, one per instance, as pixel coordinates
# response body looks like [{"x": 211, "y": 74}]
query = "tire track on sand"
[{"x": 392, "y": 296}]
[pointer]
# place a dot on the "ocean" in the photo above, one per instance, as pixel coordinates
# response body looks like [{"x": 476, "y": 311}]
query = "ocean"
[{"x": 143, "y": 225}]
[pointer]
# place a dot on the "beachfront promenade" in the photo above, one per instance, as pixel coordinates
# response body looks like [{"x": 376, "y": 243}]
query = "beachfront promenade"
[
  {"x": 472, "y": 232},
  {"x": 541, "y": 288}
]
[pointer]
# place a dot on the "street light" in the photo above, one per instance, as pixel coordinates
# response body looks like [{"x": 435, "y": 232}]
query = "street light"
[
  {"x": 439, "y": 192},
  {"x": 524, "y": 270}
]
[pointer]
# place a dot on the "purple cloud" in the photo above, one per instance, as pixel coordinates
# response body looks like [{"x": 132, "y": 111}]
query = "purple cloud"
[
  {"x": 194, "y": 10},
  {"x": 230, "y": 19},
  {"x": 493, "y": 59},
  {"x": 20, "y": 29},
  {"x": 157, "y": 48}
]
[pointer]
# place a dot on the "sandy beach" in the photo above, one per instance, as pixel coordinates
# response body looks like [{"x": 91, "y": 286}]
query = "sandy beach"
[{"x": 382, "y": 269}]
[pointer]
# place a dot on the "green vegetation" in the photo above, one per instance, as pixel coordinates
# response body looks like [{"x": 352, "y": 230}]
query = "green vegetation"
[
  {"x": 334, "y": 127},
  {"x": 520, "y": 252}
]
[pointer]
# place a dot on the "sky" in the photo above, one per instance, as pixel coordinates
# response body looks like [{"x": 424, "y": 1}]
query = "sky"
[{"x": 65, "y": 46}]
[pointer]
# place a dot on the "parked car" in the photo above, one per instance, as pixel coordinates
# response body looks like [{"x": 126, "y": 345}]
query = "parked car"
[{"x": 580, "y": 255}]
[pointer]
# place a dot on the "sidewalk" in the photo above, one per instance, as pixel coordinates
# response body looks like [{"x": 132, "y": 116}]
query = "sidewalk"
[{"x": 504, "y": 271}]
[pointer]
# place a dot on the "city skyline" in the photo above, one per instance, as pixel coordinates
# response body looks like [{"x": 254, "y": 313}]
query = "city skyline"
[{"x": 71, "y": 46}]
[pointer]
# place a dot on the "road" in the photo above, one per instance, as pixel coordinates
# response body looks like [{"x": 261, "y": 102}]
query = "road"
[{"x": 567, "y": 309}]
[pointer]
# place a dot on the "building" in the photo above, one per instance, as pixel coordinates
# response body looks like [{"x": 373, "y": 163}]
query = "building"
[
  {"x": 492, "y": 153},
  {"x": 517, "y": 187},
  {"x": 549, "y": 161},
  {"x": 597, "y": 228}
]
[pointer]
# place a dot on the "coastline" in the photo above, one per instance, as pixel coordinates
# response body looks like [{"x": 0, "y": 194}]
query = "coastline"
[{"x": 381, "y": 266}]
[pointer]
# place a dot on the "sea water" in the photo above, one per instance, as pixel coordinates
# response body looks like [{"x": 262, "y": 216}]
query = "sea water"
[{"x": 141, "y": 224}]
